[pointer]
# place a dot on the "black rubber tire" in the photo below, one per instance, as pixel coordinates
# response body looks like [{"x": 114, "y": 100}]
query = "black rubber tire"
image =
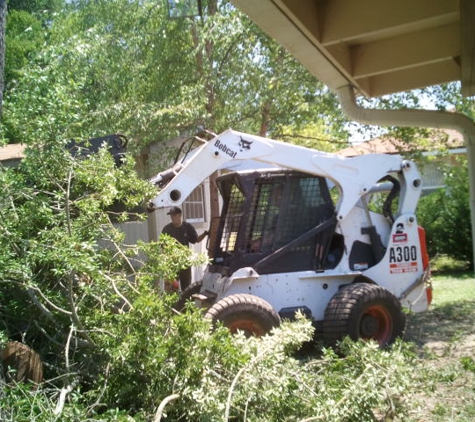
[
  {"x": 250, "y": 314},
  {"x": 187, "y": 294},
  {"x": 364, "y": 311}
]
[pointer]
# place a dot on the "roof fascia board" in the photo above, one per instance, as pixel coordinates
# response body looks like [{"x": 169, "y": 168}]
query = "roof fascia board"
[{"x": 467, "y": 12}]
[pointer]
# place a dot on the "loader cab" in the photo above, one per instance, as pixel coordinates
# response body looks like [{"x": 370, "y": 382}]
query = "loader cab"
[{"x": 274, "y": 221}]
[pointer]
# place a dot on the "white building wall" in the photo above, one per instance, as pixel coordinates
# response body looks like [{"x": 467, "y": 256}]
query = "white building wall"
[
  {"x": 159, "y": 218},
  {"x": 161, "y": 156}
]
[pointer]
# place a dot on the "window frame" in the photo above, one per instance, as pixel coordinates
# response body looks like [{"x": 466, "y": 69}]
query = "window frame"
[{"x": 194, "y": 209}]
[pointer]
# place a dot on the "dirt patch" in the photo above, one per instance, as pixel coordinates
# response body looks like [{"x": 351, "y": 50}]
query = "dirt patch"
[
  {"x": 446, "y": 327},
  {"x": 463, "y": 347}
]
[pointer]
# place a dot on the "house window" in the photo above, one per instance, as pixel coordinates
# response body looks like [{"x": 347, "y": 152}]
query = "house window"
[
  {"x": 432, "y": 176},
  {"x": 193, "y": 207}
]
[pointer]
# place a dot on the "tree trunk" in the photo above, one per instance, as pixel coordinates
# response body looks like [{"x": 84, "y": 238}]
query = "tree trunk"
[
  {"x": 3, "y": 23},
  {"x": 265, "y": 118},
  {"x": 203, "y": 60}
]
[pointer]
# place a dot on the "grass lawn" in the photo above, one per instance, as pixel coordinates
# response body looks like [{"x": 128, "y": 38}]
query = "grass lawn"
[
  {"x": 453, "y": 287},
  {"x": 445, "y": 337}
]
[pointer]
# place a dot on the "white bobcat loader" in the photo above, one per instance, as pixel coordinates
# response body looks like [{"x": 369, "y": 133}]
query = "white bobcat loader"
[{"x": 304, "y": 233}]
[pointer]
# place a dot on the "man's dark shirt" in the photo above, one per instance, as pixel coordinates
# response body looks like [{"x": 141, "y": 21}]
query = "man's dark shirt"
[{"x": 185, "y": 234}]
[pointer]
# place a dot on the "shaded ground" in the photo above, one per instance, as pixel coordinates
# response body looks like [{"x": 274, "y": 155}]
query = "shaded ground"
[
  {"x": 445, "y": 336},
  {"x": 448, "y": 328}
]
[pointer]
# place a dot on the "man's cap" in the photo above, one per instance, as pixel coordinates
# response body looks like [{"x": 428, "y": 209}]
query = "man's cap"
[{"x": 174, "y": 211}]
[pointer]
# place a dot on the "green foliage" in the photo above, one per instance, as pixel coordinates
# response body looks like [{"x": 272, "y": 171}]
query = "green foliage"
[
  {"x": 445, "y": 215},
  {"x": 468, "y": 363},
  {"x": 54, "y": 216},
  {"x": 167, "y": 257},
  {"x": 44, "y": 104},
  {"x": 68, "y": 288},
  {"x": 446, "y": 264},
  {"x": 3, "y": 339},
  {"x": 35, "y": 6},
  {"x": 24, "y": 37},
  {"x": 156, "y": 357},
  {"x": 152, "y": 353},
  {"x": 121, "y": 65},
  {"x": 151, "y": 357},
  {"x": 22, "y": 403}
]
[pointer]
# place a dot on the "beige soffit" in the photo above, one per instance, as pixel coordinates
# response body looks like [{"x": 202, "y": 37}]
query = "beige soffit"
[{"x": 378, "y": 46}]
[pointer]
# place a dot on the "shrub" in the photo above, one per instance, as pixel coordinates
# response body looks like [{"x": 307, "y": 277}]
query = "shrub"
[
  {"x": 445, "y": 214},
  {"x": 174, "y": 367}
]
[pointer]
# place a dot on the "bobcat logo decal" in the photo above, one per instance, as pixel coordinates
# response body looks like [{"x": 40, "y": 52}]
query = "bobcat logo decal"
[{"x": 243, "y": 144}]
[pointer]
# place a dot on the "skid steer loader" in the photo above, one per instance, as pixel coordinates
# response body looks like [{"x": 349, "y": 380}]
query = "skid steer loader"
[{"x": 303, "y": 230}]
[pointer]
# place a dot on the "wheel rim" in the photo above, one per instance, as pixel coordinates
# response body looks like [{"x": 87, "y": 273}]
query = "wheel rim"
[
  {"x": 248, "y": 326},
  {"x": 376, "y": 324}
]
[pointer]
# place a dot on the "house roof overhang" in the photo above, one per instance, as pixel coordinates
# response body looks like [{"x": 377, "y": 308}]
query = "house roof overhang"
[{"x": 377, "y": 46}]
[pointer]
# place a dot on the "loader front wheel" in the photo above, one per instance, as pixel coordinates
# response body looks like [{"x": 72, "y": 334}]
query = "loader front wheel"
[
  {"x": 243, "y": 312},
  {"x": 364, "y": 311}
]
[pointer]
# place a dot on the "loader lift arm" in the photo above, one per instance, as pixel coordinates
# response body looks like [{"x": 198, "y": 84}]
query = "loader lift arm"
[{"x": 354, "y": 176}]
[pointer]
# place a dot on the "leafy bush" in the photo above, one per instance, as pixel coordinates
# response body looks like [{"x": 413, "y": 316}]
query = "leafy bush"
[
  {"x": 22, "y": 403},
  {"x": 174, "y": 366},
  {"x": 445, "y": 214},
  {"x": 63, "y": 265}
]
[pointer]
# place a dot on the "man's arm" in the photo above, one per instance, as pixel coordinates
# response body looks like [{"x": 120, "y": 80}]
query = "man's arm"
[
  {"x": 193, "y": 235},
  {"x": 202, "y": 236}
]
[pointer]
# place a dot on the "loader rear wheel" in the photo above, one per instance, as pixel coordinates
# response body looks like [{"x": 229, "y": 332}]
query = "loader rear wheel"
[
  {"x": 243, "y": 312},
  {"x": 186, "y": 295},
  {"x": 364, "y": 311}
]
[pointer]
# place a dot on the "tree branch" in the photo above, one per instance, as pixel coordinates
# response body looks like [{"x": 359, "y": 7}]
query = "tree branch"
[
  {"x": 74, "y": 315},
  {"x": 40, "y": 305},
  {"x": 161, "y": 408}
]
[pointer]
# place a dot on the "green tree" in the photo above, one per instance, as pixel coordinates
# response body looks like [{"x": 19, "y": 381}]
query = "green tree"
[
  {"x": 445, "y": 215},
  {"x": 253, "y": 85},
  {"x": 125, "y": 66},
  {"x": 45, "y": 7},
  {"x": 3, "y": 13},
  {"x": 25, "y": 36}
]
